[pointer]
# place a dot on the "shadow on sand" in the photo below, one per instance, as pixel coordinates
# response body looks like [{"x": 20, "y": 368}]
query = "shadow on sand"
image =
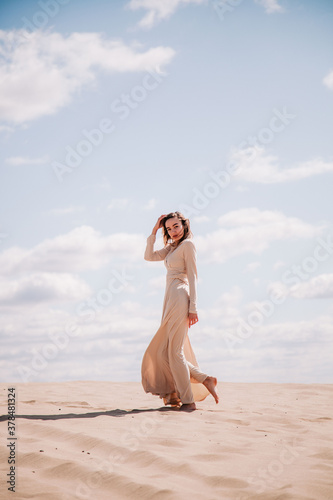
[{"x": 111, "y": 413}]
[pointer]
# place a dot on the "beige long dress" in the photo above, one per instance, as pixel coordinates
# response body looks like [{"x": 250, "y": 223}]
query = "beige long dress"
[{"x": 169, "y": 367}]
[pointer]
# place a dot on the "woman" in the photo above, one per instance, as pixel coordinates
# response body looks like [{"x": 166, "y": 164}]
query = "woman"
[{"x": 169, "y": 367}]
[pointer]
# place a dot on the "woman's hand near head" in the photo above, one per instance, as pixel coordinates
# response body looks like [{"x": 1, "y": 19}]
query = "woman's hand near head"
[
  {"x": 158, "y": 224},
  {"x": 192, "y": 319}
]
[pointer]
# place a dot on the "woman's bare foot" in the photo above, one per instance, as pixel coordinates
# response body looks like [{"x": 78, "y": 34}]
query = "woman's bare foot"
[
  {"x": 188, "y": 407},
  {"x": 210, "y": 383}
]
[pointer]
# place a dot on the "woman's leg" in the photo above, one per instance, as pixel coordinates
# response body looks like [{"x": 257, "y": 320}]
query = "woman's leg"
[
  {"x": 196, "y": 372},
  {"x": 178, "y": 363}
]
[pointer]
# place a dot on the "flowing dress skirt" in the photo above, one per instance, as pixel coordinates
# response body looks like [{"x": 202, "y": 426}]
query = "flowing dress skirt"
[{"x": 169, "y": 367}]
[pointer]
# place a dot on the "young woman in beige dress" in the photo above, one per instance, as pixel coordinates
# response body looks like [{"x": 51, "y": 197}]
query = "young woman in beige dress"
[{"x": 169, "y": 367}]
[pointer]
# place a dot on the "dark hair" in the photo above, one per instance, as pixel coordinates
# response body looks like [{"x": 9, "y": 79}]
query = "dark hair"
[{"x": 185, "y": 223}]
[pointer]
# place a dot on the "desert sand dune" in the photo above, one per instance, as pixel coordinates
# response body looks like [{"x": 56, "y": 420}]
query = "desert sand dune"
[{"x": 110, "y": 440}]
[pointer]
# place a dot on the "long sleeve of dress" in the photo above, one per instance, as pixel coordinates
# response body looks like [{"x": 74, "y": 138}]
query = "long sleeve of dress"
[
  {"x": 192, "y": 275},
  {"x": 150, "y": 254}
]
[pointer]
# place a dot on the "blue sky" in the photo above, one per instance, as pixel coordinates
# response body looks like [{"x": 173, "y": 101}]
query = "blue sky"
[{"x": 113, "y": 113}]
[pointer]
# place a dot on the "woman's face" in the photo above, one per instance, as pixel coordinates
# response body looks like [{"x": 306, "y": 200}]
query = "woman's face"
[{"x": 175, "y": 228}]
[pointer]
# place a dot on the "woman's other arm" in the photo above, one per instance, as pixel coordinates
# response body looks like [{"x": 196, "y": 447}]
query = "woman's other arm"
[{"x": 191, "y": 271}]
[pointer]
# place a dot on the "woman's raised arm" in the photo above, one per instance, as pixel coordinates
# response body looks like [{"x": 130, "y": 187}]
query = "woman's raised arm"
[{"x": 150, "y": 254}]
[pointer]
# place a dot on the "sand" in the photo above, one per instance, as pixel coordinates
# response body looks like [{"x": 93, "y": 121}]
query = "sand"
[{"x": 109, "y": 440}]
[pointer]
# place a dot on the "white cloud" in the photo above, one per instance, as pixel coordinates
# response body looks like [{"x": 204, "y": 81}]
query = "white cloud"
[
  {"x": 84, "y": 248},
  {"x": 242, "y": 189},
  {"x": 328, "y": 80},
  {"x": 6, "y": 128},
  {"x": 151, "y": 204},
  {"x": 318, "y": 287},
  {"x": 279, "y": 264},
  {"x": 201, "y": 218},
  {"x": 20, "y": 160},
  {"x": 81, "y": 249},
  {"x": 119, "y": 330},
  {"x": 41, "y": 287},
  {"x": 307, "y": 331},
  {"x": 157, "y": 283},
  {"x": 227, "y": 329},
  {"x": 301, "y": 350},
  {"x": 103, "y": 185},
  {"x": 65, "y": 211},
  {"x": 158, "y": 9},
  {"x": 253, "y": 164},
  {"x": 251, "y": 230},
  {"x": 252, "y": 266},
  {"x": 40, "y": 71},
  {"x": 226, "y": 307},
  {"x": 294, "y": 351},
  {"x": 230, "y": 320},
  {"x": 270, "y": 6},
  {"x": 118, "y": 204}
]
